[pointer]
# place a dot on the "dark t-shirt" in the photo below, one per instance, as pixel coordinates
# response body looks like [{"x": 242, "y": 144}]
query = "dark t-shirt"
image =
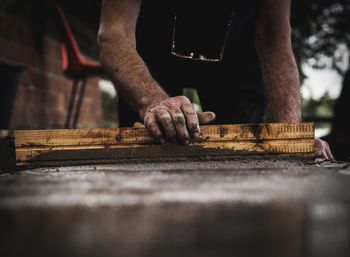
[{"x": 232, "y": 87}]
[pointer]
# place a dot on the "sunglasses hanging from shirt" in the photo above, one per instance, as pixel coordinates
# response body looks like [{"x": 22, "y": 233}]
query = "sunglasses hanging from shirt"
[{"x": 201, "y": 32}]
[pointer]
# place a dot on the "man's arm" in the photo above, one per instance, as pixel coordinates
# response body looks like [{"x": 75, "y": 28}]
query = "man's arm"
[
  {"x": 119, "y": 56},
  {"x": 280, "y": 73},
  {"x": 163, "y": 116}
]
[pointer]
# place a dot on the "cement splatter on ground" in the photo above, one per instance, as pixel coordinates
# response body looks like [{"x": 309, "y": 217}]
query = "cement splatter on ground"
[{"x": 215, "y": 208}]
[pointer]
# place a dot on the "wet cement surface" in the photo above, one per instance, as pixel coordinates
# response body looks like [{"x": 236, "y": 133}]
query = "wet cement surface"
[{"x": 214, "y": 208}]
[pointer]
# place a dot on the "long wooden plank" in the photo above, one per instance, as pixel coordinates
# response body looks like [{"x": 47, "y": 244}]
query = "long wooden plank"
[
  {"x": 304, "y": 146},
  {"x": 211, "y": 133},
  {"x": 130, "y": 143}
]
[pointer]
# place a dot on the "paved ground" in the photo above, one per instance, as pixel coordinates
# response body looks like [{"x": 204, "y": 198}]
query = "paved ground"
[{"x": 214, "y": 208}]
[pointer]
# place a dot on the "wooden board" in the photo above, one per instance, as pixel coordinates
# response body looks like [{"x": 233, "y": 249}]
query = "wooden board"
[{"x": 128, "y": 143}]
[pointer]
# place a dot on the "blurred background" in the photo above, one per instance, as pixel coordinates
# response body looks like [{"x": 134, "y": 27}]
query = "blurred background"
[{"x": 51, "y": 77}]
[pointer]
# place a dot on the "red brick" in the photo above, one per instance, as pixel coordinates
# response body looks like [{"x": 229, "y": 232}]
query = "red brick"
[{"x": 43, "y": 92}]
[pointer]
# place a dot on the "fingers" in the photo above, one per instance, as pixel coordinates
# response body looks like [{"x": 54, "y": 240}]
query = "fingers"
[
  {"x": 184, "y": 118},
  {"x": 175, "y": 118},
  {"x": 320, "y": 149},
  {"x": 138, "y": 125},
  {"x": 191, "y": 119},
  {"x": 153, "y": 128},
  {"x": 206, "y": 117},
  {"x": 328, "y": 151},
  {"x": 180, "y": 125},
  {"x": 323, "y": 150},
  {"x": 164, "y": 118},
  {"x": 171, "y": 124}
]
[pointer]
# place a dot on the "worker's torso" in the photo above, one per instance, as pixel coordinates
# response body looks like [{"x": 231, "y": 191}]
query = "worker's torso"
[
  {"x": 233, "y": 87},
  {"x": 199, "y": 30}
]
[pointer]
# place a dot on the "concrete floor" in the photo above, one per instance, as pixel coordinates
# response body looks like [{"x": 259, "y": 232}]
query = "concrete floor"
[{"x": 214, "y": 208}]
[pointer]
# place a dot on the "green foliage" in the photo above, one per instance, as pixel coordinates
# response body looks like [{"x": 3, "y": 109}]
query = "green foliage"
[
  {"x": 322, "y": 107},
  {"x": 319, "y": 27}
]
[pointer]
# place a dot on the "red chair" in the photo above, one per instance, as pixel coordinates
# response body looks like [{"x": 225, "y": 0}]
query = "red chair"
[{"x": 75, "y": 66}]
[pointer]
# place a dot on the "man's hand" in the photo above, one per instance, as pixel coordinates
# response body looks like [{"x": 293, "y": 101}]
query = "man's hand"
[
  {"x": 175, "y": 118},
  {"x": 323, "y": 150}
]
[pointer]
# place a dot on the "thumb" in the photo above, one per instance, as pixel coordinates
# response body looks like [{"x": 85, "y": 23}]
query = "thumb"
[
  {"x": 206, "y": 117},
  {"x": 138, "y": 125}
]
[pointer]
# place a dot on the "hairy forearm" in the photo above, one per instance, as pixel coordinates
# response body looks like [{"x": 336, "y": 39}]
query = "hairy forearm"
[
  {"x": 129, "y": 72},
  {"x": 281, "y": 79},
  {"x": 280, "y": 73}
]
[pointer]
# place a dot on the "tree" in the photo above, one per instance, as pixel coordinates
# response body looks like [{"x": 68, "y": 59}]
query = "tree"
[{"x": 319, "y": 28}]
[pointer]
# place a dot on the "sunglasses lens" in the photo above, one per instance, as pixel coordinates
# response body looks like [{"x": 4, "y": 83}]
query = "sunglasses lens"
[{"x": 197, "y": 37}]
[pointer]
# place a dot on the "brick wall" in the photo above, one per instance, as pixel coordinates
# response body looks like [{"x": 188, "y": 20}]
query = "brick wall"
[{"x": 43, "y": 93}]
